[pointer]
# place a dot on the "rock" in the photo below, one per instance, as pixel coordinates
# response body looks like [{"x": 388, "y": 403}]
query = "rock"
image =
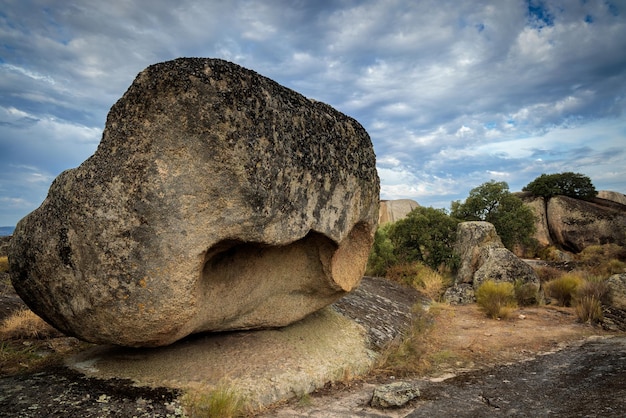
[
  {"x": 473, "y": 241},
  {"x": 484, "y": 257},
  {"x": 501, "y": 265},
  {"x": 612, "y": 196},
  {"x": 617, "y": 290},
  {"x": 216, "y": 200},
  {"x": 575, "y": 224},
  {"x": 542, "y": 231},
  {"x": 460, "y": 294},
  {"x": 394, "y": 395},
  {"x": 4, "y": 245},
  {"x": 394, "y": 210}
]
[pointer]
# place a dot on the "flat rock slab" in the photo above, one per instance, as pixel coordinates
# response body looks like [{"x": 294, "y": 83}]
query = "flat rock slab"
[{"x": 264, "y": 366}]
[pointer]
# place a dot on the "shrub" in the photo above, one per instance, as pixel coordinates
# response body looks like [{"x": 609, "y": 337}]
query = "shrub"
[
  {"x": 220, "y": 402},
  {"x": 526, "y": 294},
  {"x": 404, "y": 273},
  {"x": 381, "y": 256},
  {"x": 431, "y": 283},
  {"x": 4, "y": 264},
  {"x": 496, "y": 299},
  {"x": 589, "y": 309},
  {"x": 546, "y": 273},
  {"x": 564, "y": 288},
  {"x": 596, "y": 288}
]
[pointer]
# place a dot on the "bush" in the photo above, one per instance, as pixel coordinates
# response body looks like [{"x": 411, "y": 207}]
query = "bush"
[
  {"x": 426, "y": 235},
  {"x": 381, "y": 256},
  {"x": 4, "y": 264},
  {"x": 526, "y": 294},
  {"x": 596, "y": 288},
  {"x": 496, "y": 299},
  {"x": 546, "y": 273},
  {"x": 589, "y": 309},
  {"x": 564, "y": 288}
]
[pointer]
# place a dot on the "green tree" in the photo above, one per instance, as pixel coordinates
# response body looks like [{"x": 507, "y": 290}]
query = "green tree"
[
  {"x": 492, "y": 202},
  {"x": 426, "y": 235},
  {"x": 382, "y": 253},
  {"x": 569, "y": 184}
]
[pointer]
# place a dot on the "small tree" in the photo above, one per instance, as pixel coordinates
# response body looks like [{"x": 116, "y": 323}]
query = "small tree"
[
  {"x": 382, "y": 253},
  {"x": 568, "y": 184},
  {"x": 492, "y": 202},
  {"x": 425, "y": 235}
]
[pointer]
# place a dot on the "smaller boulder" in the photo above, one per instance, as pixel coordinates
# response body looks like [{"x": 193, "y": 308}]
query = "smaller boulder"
[
  {"x": 394, "y": 395},
  {"x": 617, "y": 290},
  {"x": 460, "y": 294},
  {"x": 483, "y": 257}
]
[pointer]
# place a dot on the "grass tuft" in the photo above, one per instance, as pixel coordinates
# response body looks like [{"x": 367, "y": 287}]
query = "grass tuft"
[
  {"x": 564, "y": 288},
  {"x": 589, "y": 310},
  {"x": 24, "y": 324},
  {"x": 496, "y": 299},
  {"x": 223, "y": 402},
  {"x": 4, "y": 264}
]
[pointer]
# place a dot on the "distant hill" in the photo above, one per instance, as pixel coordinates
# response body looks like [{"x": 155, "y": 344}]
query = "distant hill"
[{"x": 6, "y": 230}]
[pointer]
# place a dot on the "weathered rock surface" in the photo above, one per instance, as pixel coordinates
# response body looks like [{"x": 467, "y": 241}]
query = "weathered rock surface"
[
  {"x": 617, "y": 290},
  {"x": 484, "y": 257},
  {"x": 576, "y": 224},
  {"x": 394, "y": 210},
  {"x": 612, "y": 196},
  {"x": 573, "y": 224},
  {"x": 216, "y": 200},
  {"x": 394, "y": 395}
]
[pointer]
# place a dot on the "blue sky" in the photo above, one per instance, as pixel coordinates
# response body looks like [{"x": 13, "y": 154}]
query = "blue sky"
[{"x": 453, "y": 93}]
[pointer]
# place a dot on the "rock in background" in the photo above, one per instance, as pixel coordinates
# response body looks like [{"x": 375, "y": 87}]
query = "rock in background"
[
  {"x": 216, "y": 200},
  {"x": 483, "y": 257},
  {"x": 394, "y": 210}
]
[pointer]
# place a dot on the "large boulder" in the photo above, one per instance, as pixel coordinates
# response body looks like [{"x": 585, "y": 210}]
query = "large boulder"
[
  {"x": 576, "y": 224},
  {"x": 394, "y": 210},
  {"x": 483, "y": 257},
  {"x": 216, "y": 200}
]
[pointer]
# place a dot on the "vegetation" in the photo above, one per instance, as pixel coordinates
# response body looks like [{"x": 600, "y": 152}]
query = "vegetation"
[
  {"x": 568, "y": 184},
  {"x": 4, "y": 264},
  {"x": 426, "y": 235},
  {"x": 526, "y": 294},
  {"x": 24, "y": 324},
  {"x": 496, "y": 299},
  {"x": 382, "y": 256},
  {"x": 220, "y": 402},
  {"x": 407, "y": 354},
  {"x": 564, "y": 288},
  {"x": 492, "y": 202}
]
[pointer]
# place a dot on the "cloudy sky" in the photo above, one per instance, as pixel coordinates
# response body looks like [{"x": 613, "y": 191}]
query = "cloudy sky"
[{"x": 453, "y": 93}]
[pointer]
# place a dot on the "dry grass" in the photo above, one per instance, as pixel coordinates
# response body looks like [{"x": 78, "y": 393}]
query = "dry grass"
[
  {"x": 24, "y": 324},
  {"x": 4, "y": 264},
  {"x": 223, "y": 402},
  {"x": 564, "y": 288},
  {"x": 496, "y": 299}
]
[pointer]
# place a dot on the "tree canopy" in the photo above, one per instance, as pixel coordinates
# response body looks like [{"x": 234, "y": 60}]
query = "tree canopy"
[
  {"x": 492, "y": 202},
  {"x": 569, "y": 184}
]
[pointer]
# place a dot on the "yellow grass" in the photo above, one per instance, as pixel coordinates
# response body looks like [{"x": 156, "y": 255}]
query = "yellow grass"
[{"x": 25, "y": 324}]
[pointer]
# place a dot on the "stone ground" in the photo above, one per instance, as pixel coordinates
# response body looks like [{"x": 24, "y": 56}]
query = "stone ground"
[{"x": 540, "y": 362}]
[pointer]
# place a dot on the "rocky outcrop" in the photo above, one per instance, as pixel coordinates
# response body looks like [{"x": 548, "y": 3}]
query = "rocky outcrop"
[
  {"x": 483, "y": 257},
  {"x": 573, "y": 224},
  {"x": 612, "y": 196},
  {"x": 394, "y": 210},
  {"x": 216, "y": 200},
  {"x": 617, "y": 290},
  {"x": 394, "y": 395}
]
